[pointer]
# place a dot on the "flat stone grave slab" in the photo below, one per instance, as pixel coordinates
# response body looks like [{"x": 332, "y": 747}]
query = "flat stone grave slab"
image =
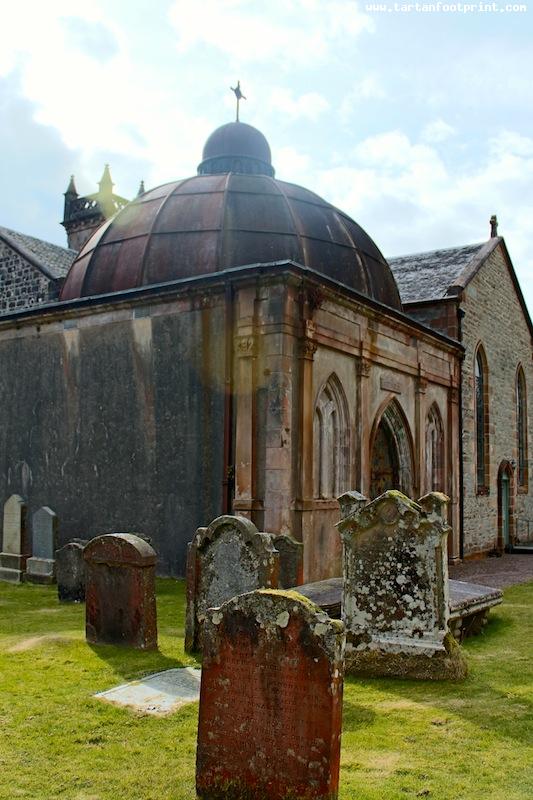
[
  {"x": 157, "y": 694},
  {"x": 470, "y": 604},
  {"x": 466, "y": 599}
]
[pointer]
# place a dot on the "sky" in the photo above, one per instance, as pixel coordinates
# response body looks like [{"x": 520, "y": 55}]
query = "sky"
[{"x": 415, "y": 119}]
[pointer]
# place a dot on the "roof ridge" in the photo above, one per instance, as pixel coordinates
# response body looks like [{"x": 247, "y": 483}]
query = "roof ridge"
[{"x": 437, "y": 250}]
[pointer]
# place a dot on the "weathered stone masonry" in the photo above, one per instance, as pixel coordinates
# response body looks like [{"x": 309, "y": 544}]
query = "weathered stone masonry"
[{"x": 494, "y": 317}]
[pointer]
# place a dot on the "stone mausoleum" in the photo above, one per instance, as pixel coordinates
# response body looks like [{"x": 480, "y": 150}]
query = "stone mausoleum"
[{"x": 233, "y": 343}]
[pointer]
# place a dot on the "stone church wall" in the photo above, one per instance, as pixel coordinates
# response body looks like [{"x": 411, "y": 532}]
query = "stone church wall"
[
  {"x": 494, "y": 317},
  {"x": 115, "y": 421},
  {"x": 21, "y": 284}
]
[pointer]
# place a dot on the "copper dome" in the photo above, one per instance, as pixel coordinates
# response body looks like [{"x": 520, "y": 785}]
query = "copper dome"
[{"x": 211, "y": 222}]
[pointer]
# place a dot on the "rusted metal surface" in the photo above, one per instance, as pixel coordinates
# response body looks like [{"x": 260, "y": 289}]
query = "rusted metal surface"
[{"x": 213, "y": 222}]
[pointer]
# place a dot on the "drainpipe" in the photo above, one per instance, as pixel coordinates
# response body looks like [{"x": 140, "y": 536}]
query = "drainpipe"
[
  {"x": 460, "y": 315},
  {"x": 228, "y": 468}
]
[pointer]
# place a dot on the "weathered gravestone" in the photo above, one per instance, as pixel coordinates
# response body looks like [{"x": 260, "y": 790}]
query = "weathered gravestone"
[
  {"x": 70, "y": 571},
  {"x": 15, "y": 540},
  {"x": 270, "y": 700},
  {"x": 120, "y": 605},
  {"x": 41, "y": 567},
  {"x": 291, "y": 563},
  {"x": 395, "y": 601},
  {"x": 351, "y": 502},
  {"x": 227, "y": 558}
]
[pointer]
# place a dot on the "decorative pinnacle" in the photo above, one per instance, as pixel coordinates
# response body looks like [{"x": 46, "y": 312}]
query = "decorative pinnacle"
[
  {"x": 239, "y": 95},
  {"x": 71, "y": 188},
  {"x": 141, "y": 189},
  {"x": 493, "y": 226}
]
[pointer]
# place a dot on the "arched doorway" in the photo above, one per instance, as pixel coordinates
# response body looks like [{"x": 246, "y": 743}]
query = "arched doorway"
[
  {"x": 505, "y": 506},
  {"x": 391, "y": 460}
]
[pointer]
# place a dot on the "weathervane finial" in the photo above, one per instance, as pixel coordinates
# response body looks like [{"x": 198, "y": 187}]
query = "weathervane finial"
[{"x": 239, "y": 95}]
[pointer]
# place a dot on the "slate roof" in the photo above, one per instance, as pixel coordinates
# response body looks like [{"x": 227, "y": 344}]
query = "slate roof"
[
  {"x": 51, "y": 258},
  {"x": 428, "y": 276}
]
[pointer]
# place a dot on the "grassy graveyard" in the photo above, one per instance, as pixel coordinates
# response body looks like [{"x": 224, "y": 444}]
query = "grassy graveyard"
[{"x": 400, "y": 739}]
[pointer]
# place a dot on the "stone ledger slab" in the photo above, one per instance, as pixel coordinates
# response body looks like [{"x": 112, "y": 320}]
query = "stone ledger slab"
[
  {"x": 270, "y": 700},
  {"x": 157, "y": 694}
]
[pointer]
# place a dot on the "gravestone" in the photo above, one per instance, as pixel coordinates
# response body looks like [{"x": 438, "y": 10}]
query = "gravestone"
[
  {"x": 70, "y": 571},
  {"x": 120, "y": 605},
  {"x": 351, "y": 502},
  {"x": 291, "y": 565},
  {"x": 395, "y": 602},
  {"x": 41, "y": 567},
  {"x": 270, "y": 700},
  {"x": 15, "y": 541},
  {"x": 227, "y": 558}
]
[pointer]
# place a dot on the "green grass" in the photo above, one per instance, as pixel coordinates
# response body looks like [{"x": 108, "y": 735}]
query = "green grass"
[{"x": 400, "y": 739}]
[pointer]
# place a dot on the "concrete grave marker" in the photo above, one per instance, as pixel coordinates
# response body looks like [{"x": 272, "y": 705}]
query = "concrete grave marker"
[
  {"x": 71, "y": 571},
  {"x": 225, "y": 559},
  {"x": 270, "y": 700},
  {"x": 395, "y": 602},
  {"x": 120, "y": 605},
  {"x": 41, "y": 567},
  {"x": 15, "y": 541}
]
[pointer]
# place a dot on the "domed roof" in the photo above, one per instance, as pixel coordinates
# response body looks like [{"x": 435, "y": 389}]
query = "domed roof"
[
  {"x": 213, "y": 221},
  {"x": 236, "y": 147}
]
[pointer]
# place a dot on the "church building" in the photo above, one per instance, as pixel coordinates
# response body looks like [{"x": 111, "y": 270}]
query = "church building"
[{"x": 231, "y": 342}]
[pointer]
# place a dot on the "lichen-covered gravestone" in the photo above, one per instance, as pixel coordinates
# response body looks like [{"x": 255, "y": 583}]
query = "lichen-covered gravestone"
[
  {"x": 227, "y": 558},
  {"x": 41, "y": 567},
  {"x": 395, "y": 602},
  {"x": 120, "y": 605},
  {"x": 290, "y": 560},
  {"x": 15, "y": 541},
  {"x": 70, "y": 571},
  {"x": 270, "y": 700}
]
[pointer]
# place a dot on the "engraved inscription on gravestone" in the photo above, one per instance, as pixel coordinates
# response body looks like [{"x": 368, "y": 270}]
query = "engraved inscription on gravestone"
[{"x": 270, "y": 700}]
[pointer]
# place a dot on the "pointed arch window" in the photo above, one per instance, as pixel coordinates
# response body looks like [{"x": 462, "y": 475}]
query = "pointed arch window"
[
  {"x": 434, "y": 450},
  {"x": 331, "y": 456},
  {"x": 482, "y": 421},
  {"x": 521, "y": 429}
]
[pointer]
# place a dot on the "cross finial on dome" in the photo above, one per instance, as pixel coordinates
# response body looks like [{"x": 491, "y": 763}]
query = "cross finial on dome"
[{"x": 239, "y": 95}]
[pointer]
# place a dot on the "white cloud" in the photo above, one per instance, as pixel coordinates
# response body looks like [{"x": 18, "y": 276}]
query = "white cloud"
[
  {"x": 251, "y": 31},
  {"x": 368, "y": 88},
  {"x": 309, "y": 105},
  {"x": 437, "y": 131},
  {"x": 411, "y": 200}
]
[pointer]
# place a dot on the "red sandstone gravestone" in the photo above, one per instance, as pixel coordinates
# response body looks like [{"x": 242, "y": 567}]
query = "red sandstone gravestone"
[
  {"x": 120, "y": 592},
  {"x": 270, "y": 700}
]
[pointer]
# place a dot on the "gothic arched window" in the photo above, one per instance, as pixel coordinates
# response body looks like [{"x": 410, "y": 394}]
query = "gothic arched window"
[
  {"x": 482, "y": 421},
  {"x": 521, "y": 429},
  {"x": 331, "y": 436},
  {"x": 434, "y": 451}
]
